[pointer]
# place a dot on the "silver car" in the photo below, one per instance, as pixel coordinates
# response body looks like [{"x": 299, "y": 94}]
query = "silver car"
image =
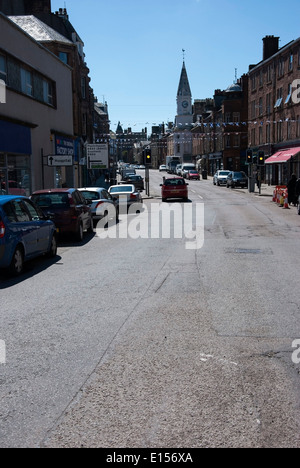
[
  {"x": 125, "y": 195},
  {"x": 101, "y": 202},
  {"x": 220, "y": 177}
]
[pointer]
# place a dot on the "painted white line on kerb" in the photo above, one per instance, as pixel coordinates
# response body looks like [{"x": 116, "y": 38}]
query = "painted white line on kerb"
[{"x": 2, "y": 352}]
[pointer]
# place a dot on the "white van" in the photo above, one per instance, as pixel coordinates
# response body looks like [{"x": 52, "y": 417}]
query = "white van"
[{"x": 186, "y": 168}]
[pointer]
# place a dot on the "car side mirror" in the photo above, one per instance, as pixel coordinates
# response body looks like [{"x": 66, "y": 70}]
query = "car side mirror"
[{"x": 161, "y": 185}]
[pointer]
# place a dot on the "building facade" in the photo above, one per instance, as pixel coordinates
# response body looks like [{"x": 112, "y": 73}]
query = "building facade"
[
  {"x": 274, "y": 108},
  {"x": 36, "y": 120}
]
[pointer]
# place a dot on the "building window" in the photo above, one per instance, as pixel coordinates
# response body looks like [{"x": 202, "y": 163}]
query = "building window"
[
  {"x": 268, "y": 133},
  {"x": 289, "y": 94},
  {"x": 278, "y": 102},
  {"x": 298, "y": 126},
  {"x": 253, "y": 82},
  {"x": 281, "y": 66},
  {"x": 227, "y": 141},
  {"x": 236, "y": 141},
  {"x": 253, "y": 107},
  {"x": 269, "y": 73},
  {"x": 279, "y": 131},
  {"x": 227, "y": 117},
  {"x": 63, "y": 57},
  {"x": 260, "y": 106},
  {"x": 261, "y": 81},
  {"x": 289, "y": 130},
  {"x": 260, "y": 135},
  {"x": 236, "y": 117},
  {"x": 3, "y": 72},
  {"x": 26, "y": 82},
  {"x": 268, "y": 103},
  {"x": 48, "y": 92},
  {"x": 291, "y": 60},
  {"x": 253, "y": 139}
]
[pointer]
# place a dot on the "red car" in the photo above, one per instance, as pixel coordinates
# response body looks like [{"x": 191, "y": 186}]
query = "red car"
[
  {"x": 193, "y": 175},
  {"x": 174, "y": 188},
  {"x": 68, "y": 210}
]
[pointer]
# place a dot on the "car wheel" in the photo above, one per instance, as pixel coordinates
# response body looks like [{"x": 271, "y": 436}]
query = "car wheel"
[
  {"x": 53, "y": 248},
  {"x": 164, "y": 200},
  {"x": 17, "y": 263},
  {"x": 79, "y": 234}
]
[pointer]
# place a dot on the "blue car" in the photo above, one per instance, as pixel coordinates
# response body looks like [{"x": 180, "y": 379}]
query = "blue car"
[{"x": 25, "y": 233}]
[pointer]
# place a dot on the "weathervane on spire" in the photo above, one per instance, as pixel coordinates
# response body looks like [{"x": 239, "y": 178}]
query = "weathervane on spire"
[{"x": 183, "y": 52}]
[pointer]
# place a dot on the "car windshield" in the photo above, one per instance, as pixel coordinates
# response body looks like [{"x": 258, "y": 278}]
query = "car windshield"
[
  {"x": 90, "y": 195},
  {"x": 174, "y": 182},
  {"x": 55, "y": 200},
  {"x": 120, "y": 188},
  {"x": 224, "y": 173},
  {"x": 193, "y": 172},
  {"x": 188, "y": 168},
  {"x": 239, "y": 175}
]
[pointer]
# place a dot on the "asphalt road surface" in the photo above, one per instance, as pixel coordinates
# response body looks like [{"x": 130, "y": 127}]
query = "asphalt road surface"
[{"x": 139, "y": 342}]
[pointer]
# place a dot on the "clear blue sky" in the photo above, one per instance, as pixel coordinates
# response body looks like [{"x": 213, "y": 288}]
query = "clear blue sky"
[{"x": 134, "y": 48}]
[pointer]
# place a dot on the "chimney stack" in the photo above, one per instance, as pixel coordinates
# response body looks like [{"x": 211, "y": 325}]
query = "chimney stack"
[{"x": 271, "y": 46}]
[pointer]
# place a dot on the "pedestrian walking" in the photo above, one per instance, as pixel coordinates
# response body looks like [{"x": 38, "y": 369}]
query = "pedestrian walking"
[
  {"x": 292, "y": 199},
  {"x": 297, "y": 191}
]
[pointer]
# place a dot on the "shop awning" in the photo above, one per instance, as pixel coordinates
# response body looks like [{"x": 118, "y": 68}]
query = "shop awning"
[{"x": 283, "y": 156}]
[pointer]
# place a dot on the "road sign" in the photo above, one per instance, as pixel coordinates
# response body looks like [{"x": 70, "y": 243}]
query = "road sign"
[
  {"x": 97, "y": 156},
  {"x": 55, "y": 160}
]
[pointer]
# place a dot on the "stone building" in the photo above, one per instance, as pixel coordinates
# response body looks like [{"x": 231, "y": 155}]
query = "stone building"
[{"x": 274, "y": 109}]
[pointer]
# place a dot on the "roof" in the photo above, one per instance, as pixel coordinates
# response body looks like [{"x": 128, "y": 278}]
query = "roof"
[
  {"x": 38, "y": 30},
  {"x": 184, "y": 86},
  {"x": 234, "y": 88},
  {"x": 7, "y": 198}
]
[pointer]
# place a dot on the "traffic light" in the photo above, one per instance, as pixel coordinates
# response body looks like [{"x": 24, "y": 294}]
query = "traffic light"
[
  {"x": 249, "y": 157},
  {"x": 148, "y": 156},
  {"x": 261, "y": 158}
]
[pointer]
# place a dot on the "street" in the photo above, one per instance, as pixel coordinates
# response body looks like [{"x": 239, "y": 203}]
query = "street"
[{"x": 143, "y": 343}]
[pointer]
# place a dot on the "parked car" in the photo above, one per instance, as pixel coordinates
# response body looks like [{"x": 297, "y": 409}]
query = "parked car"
[
  {"x": 186, "y": 168},
  {"x": 68, "y": 209},
  {"x": 220, "y": 177},
  {"x": 101, "y": 203},
  {"x": 13, "y": 188},
  {"x": 237, "y": 179},
  {"x": 178, "y": 169},
  {"x": 193, "y": 175},
  {"x": 127, "y": 172},
  {"x": 163, "y": 168},
  {"x": 135, "y": 180},
  {"x": 174, "y": 188},
  {"x": 128, "y": 193},
  {"x": 25, "y": 233}
]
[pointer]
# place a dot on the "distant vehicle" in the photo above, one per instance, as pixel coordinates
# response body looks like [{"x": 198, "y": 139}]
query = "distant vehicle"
[
  {"x": 25, "y": 233},
  {"x": 13, "y": 188},
  {"x": 129, "y": 192},
  {"x": 126, "y": 172},
  {"x": 163, "y": 168},
  {"x": 178, "y": 169},
  {"x": 135, "y": 180},
  {"x": 186, "y": 168},
  {"x": 171, "y": 163},
  {"x": 193, "y": 175},
  {"x": 142, "y": 167},
  {"x": 237, "y": 179},
  {"x": 174, "y": 188},
  {"x": 68, "y": 209},
  {"x": 220, "y": 177},
  {"x": 101, "y": 203}
]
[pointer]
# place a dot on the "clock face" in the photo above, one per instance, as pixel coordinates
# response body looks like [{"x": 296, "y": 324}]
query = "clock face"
[{"x": 185, "y": 104}]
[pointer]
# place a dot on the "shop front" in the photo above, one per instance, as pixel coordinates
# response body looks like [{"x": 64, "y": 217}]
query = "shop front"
[
  {"x": 15, "y": 159},
  {"x": 281, "y": 165}
]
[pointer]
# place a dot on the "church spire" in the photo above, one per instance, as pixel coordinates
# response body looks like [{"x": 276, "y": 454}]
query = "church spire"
[{"x": 184, "y": 85}]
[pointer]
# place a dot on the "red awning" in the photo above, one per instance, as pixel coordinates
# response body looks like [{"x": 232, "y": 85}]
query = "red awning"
[{"x": 283, "y": 156}]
